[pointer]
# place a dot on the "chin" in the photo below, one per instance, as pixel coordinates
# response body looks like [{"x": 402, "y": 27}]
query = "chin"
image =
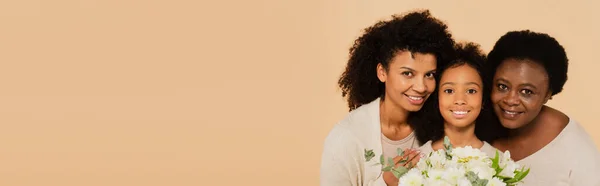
[
  {"x": 459, "y": 124},
  {"x": 413, "y": 108},
  {"x": 510, "y": 124}
]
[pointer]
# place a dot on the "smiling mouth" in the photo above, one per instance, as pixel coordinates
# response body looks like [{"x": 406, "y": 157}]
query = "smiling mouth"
[
  {"x": 511, "y": 112},
  {"x": 461, "y": 112},
  {"x": 415, "y": 98}
]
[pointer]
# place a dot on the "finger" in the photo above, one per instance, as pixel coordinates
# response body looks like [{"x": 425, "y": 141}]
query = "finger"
[
  {"x": 415, "y": 161},
  {"x": 402, "y": 159},
  {"x": 411, "y": 158}
]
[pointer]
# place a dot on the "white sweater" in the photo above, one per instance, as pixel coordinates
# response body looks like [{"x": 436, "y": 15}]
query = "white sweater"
[
  {"x": 570, "y": 159},
  {"x": 343, "y": 160}
]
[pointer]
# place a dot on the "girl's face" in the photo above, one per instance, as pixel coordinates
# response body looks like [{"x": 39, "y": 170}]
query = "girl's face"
[
  {"x": 520, "y": 90},
  {"x": 460, "y": 96},
  {"x": 409, "y": 79}
]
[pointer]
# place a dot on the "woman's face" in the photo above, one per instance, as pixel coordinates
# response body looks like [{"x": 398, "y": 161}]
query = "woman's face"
[
  {"x": 460, "y": 96},
  {"x": 409, "y": 79},
  {"x": 520, "y": 90}
]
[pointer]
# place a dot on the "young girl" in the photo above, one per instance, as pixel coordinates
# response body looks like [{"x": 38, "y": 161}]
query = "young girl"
[
  {"x": 461, "y": 110},
  {"x": 389, "y": 76}
]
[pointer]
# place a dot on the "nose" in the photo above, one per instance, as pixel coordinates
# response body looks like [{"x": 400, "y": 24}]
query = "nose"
[
  {"x": 419, "y": 85},
  {"x": 459, "y": 99},
  {"x": 511, "y": 99}
]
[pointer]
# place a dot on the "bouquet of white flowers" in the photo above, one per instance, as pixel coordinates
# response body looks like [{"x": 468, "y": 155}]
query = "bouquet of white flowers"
[{"x": 460, "y": 166}]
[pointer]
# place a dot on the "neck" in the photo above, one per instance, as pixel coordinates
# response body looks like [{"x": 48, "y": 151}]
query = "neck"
[
  {"x": 462, "y": 136},
  {"x": 391, "y": 115}
]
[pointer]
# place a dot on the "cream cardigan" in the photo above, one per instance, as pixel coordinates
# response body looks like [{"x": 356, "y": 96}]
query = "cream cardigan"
[
  {"x": 343, "y": 162},
  {"x": 570, "y": 159}
]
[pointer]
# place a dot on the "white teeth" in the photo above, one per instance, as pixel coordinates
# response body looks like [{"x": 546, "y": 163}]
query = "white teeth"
[
  {"x": 415, "y": 98},
  {"x": 460, "y": 112},
  {"x": 511, "y": 113}
]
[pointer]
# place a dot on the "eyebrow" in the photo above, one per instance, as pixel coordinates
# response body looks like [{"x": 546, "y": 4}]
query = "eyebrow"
[
  {"x": 468, "y": 83},
  {"x": 432, "y": 70},
  {"x": 407, "y": 68},
  {"x": 524, "y": 84}
]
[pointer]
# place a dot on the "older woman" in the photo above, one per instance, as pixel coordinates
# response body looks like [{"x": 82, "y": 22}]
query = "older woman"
[{"x": 528, "y": 69}]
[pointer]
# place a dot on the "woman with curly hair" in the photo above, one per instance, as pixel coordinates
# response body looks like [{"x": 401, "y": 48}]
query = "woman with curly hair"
[
  {"x": 389, "y": 76},
  {"x": 528, "y": 68},
  {"x": 461, "y": 108}
]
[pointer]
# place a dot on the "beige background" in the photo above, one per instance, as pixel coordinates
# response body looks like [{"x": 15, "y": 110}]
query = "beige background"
[{"x": 148, "y": 92}]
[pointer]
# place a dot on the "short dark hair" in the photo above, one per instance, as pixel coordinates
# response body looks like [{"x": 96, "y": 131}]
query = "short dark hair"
[
  {"x": 416, "y": 31},
  {"x": 486, "y": 124},
  {"x": 534, "y": 46}
]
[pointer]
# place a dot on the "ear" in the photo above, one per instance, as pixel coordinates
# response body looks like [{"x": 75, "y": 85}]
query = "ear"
[
  {"x": 548, "y": 97},
  {"x": 381, "y": 73}
]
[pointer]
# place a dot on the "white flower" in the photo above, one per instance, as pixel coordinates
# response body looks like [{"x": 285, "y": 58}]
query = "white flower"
[
  {"x": 437, "y": 159},
  {"x": 452, "y": 175},
  {"x": 495, "y": 182},
  {"x": 463, "y": 182},
  {"x": 412, "y": 178},
  {"x": 436, "y": 174},
  {"x": 436, "y": 182},
  {"x": 468, "y": 152},
  {"x": 484, "y": 172},
  {"x": 422, "y": 164},
  {"x": 508, "y": 166}
]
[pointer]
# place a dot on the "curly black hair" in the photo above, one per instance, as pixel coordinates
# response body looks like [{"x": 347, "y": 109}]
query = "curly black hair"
[
  {"x": 534, "y": 46},
  {"x": 487, "y": 127},
  {"x": 416, "y": 31}
]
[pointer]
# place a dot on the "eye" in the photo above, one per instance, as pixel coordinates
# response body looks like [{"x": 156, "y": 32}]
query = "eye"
[
  {"x": 471, "y": 91},
  {"x": 502, "y": 87},
  {"x": 448, "y": 91},
  {"x": 430, "y": 75},
  {"x": 526, "y": 92},
  {"x": 407, "y": 73}
]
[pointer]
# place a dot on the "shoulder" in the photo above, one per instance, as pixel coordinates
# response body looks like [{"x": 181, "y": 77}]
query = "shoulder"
[
  {"x": 356, "y": 128},
  {"x": 490, "y": 150},
  {"x": 575, "y": 136},
  {"x": 360, "y": 121},
  {"x": 555, "y": 117},
  {"x": 426, "y": 148}
]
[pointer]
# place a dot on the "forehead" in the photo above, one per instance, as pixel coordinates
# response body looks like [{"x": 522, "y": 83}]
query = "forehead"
[
  {"x": 414, "y": 60},
  {"x": 461, "y": 73},
  {"x": 518, "y": 71}
]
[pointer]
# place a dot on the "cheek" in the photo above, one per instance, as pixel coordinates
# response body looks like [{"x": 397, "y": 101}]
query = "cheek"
[
  {"x": 398, "y": 83},
  {"x": 443, "y": 100},
  {"x": 496, "y": 96},
  {"x": 430, "y": 85},
  {"x": 532, "y": 104},
  {"x": 476, "y": 101}
]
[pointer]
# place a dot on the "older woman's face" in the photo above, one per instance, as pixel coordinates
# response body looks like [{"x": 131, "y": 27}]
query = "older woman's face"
[{"x": 520, "y": 90}]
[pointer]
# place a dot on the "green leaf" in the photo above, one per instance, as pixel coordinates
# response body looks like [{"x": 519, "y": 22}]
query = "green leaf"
[
  {"x": 496, "y": 162},
  {"x": 447, "y": 144},
  {"x": 482, "y": 182},
  {"x": 399, "y": 172},
  {"x": 381, "y": 160},
  {"x": 400, "y": 152},
  {"x": 386, "y": 169},
  {"x": 519, "y": 176},
  {"x": 474, "y": 179},
  {"x": 390, "y": 161},
  {"x": 369, "y": 154}
]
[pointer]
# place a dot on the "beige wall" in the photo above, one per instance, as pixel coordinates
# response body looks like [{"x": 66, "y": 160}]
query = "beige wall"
[{"x": 148, "y": 92}]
